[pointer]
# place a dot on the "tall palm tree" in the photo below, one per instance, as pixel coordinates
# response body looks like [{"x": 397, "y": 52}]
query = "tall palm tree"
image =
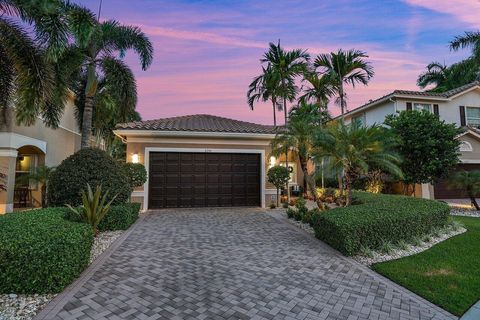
[
  {"x": 28, "y": 59},
  {"x": 263, "y": 88},
  {"x": 319, "y": 91},
  {"x": 436, "y": 74},
  {"x": 97, "y": 65},
  {"x": 297, "y": 136},
  {"x": 343, "y": 68},
  {"x": 286, "y": 65},
  {"x": 354, "y": 149}
]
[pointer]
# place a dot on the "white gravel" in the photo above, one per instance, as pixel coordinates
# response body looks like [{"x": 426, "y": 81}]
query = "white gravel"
[
  {"x": 410, "y": 250},
  {"x": 25, "y": 307},
  {"x": 465, "y": 212}
]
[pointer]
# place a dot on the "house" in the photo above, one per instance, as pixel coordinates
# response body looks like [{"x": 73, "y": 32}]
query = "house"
[
  {"x": 203, "y": 160},
  {"x": 22, "y": 149},
  {"x": 460, "y": 106}
]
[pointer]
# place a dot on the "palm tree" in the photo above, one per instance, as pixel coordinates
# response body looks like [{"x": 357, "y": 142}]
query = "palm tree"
[
  {"x": 40, "y": 174},
  {"x": 319, "y": 91},
  {"x": 445, "y": 78},
  {"x": 263, "y": 88},
  {"x": 355, "y": 149},
  {"x": 467, "y": 40},
  {"x": 286, "y": 65},
  {"x": 97, "y": 65},
  {"x": 345, "y": 67},
  {"x": 28, "y": 60},
  {"x": 297, "y": 136},
  {"x": 469, "y": 183}
]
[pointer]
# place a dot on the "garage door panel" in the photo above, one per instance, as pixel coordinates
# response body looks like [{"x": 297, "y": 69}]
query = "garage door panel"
[
  {"x": 442, "y": 190},
  {"x": 203, "y": 179}
]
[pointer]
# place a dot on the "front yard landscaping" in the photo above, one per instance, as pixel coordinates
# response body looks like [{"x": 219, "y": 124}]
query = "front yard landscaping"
[{"x": 448, "y": 274}]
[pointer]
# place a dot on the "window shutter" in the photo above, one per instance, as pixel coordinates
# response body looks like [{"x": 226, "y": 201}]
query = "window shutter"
[
  {"x": 435, "y": 110},
  {"x": 409, "y": 106},
  {"x": 463, "y": 120}
]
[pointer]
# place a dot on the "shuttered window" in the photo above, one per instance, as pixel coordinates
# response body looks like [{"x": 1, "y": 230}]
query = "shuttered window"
[{"x": 473, "y": 116}]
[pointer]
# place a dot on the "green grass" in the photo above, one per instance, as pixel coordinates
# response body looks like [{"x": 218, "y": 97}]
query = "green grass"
[{"x": 448, "y": 274}]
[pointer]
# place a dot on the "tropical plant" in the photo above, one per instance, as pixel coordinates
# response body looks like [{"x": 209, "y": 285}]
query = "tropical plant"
[
  {"x": 469, "y": 183},
  {"x": 102, "y": 82},
  {"x": 427, "y": 145},
  {"x": 297, "y": 136},
  {"x": 30, "y": 59},
  {"x": 40, "y": 174},
  {"x": 94, "y": 208},
  {"x": 354, "y": 149},
  {"x": 319, "y": 91},
  {"x": 444, "y": 78},
  {"x": 343, "y": 68},
  {"x": 278, "y": 176},
  {"x": 468, "y": 40},
  {"x": 285, "y": 67},
  {"x": 263, "y": 88}
]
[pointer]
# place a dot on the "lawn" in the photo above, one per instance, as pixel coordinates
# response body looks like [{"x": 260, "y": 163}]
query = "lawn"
[{"x": 448, "y": 274}]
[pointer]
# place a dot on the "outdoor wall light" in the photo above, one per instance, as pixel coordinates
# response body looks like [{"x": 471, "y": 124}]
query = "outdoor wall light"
[
  {"x": 135, "y": 158},
  {"x": 273, "y": 160}
]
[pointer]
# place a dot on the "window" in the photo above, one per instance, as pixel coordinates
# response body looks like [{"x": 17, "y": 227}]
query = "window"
[
  {"x": 359, "y": 120},
  {"x": 422, "y": 106},
  {"x": 473, "y": 116},
  {"x": 24, "y": 165}
]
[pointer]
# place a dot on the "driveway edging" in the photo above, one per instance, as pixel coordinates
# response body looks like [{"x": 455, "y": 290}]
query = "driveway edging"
[
  {"x": 368, "y": 270},
  {"x": 54, "y": 306}
]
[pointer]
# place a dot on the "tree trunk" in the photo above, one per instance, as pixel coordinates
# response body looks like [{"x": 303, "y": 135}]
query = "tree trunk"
[
  {"x": 474, "y": 202},
  {"x": 340, "y": 183},
  {"x": 278, "y": 196},
  {"x": 286, "y": 148},
  {"x": 304, "y": 166},
  {"x": 274, "y": 116},
  {"x": 348, "y": 187},
  {"x": 342, "y": 99},
  {"x": 87, "y": 122}
]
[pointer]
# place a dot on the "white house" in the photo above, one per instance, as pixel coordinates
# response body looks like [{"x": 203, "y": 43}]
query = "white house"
[{"x": 460, "y": 106}]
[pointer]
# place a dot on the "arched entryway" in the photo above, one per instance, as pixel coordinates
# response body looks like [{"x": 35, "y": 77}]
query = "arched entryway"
[{"x": 29, "y": 190}]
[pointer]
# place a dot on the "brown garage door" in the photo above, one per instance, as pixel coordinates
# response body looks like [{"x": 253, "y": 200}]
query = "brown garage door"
[
  {"x": 442, "y": 190},
  {"x": 179, "y": 179}
]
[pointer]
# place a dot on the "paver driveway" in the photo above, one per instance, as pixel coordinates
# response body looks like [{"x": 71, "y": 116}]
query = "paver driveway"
[{"x": 232, "y": 264}]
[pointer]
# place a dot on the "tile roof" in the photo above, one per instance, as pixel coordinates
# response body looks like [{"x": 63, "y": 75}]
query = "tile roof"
[
  {"x": 199, "y": 123},
  {"x": 427, "y": 94}
]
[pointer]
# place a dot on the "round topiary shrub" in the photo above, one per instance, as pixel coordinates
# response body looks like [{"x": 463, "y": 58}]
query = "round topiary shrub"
[
  {"x": 92, "y": 166},
  {"x": 136, "y": 173}
]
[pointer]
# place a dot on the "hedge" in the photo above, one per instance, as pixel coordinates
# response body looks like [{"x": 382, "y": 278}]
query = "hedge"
[
  {"x": 378, "y": 218},
  {"x": 120, "y": 217},
  {"x": 41, "y": 252}
]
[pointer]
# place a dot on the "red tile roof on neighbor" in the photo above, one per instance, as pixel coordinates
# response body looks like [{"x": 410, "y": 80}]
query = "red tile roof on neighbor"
[{"x": 199, "y": 123}]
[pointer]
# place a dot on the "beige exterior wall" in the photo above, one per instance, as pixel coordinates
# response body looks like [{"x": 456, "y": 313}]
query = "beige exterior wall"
[
  {"x": 51, "y": 146},
  {"x": 473, "y": 143},
  {"x": 137, "y": 145}
]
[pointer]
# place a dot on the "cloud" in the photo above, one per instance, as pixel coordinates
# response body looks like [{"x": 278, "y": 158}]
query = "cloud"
[{"x": 467, "y": 11}]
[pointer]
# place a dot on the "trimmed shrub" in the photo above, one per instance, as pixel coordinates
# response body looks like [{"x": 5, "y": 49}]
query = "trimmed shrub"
[
  {"x": 377, "y": 219},
  {"x": 136, "y": 173},
  {"x": 92, "y": 166},
  {"x": 120, "y": 217},
  {"x": 41, "y": 252}
]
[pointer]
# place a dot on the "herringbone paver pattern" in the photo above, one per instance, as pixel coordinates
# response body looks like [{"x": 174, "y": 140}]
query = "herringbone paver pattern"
[{"x": 234, "y": 264}]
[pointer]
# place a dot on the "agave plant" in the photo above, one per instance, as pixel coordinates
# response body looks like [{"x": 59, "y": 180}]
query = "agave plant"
[{"x": 94, "y": 208}]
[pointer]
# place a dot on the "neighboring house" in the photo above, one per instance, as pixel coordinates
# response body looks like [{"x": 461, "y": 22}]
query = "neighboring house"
[
  {"x": 22, "y": 149},
  {"x": 460, "y": 106},
  {"x": 203, "y": 161}
]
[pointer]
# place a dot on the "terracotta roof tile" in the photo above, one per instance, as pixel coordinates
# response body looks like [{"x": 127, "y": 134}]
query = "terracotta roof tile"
[{"x": 199, "y": 123}]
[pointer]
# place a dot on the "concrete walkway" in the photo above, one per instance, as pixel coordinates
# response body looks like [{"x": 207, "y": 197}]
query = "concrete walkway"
[{"x": 230, "y": 264}]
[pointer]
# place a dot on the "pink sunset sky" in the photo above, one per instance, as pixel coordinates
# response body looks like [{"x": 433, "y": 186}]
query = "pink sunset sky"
[{"x": 207, "y": 52}]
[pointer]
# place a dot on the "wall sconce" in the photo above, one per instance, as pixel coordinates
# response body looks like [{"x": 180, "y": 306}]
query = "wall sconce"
[
  {"x": 135, "y": 158},
  {"x": 273, "y": 160}
]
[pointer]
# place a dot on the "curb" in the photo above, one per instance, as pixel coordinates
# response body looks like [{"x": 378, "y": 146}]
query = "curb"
[{"x": 54, "y": 306}]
